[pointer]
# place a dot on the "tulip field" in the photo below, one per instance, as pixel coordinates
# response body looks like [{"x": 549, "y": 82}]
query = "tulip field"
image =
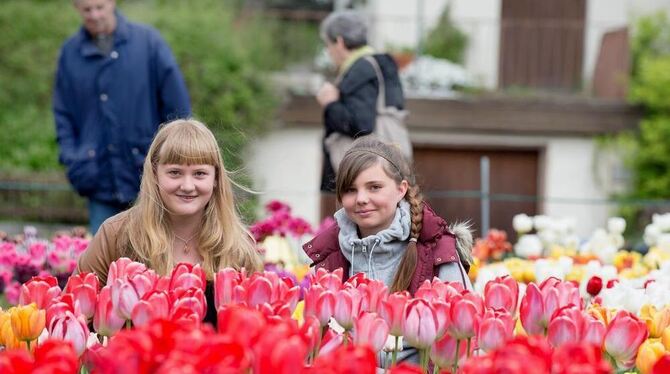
[{"x": 555, "y": 305}]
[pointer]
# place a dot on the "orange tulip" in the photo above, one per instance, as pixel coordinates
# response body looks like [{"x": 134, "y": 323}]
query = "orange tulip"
[
  {"x": 28, "y": 322},
  {"x": 7, "y": 337},
  {"x": 656, "y": 320},
  {"x": 650, "y": 351},
  {"x": 665, "y": 338}
]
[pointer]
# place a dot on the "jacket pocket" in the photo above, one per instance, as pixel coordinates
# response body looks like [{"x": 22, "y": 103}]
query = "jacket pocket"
[{"x": 82, "y": 172}]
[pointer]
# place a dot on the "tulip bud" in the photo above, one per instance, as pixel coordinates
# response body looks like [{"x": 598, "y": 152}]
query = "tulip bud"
[{"x": 594, "y": 285}]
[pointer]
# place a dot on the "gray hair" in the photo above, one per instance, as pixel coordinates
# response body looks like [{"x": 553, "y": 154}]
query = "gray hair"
[{"x": 347, "y": 24}]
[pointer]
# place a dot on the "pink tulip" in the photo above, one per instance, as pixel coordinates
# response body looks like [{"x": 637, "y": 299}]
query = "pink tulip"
[
  {"x": 442, "y": 314},
  {"x": 370, "y": 330},
  {"x": 502, "y": 292},
  {"x": 420, "y": 324},
  {"x": 625, "y": 333},
  {"x": 496, "y": 328},
  {"x": 329, "y": 280},
  {"x": 186, "y": 275},
  {"x": 438, "y": 290},
  {"x": 105, "y": 320},
  {"x": 465, "y": 312},
  {"x": 259, "y": 291},
  {"x": 70, "y": 328},
  {"x": 154, "y": 304},
  {"x": 127, "y": 292},
  {"x": 566, "y": 326},
  {"x": 443, "y": 352},
  {"x": 60, "y": 304},
  {"x": 393, "y": 311},
  {"x": 594, "y": 330},
  {"x": 39, "y": 290},
  {"x": 374, "y": 292},
  {"x": 84, "y": 287},
  {"x": 123, "y": 268},
  {"x": 531, "y": 311},
  {"x": 347, "y": 307},
  {"x": 319, "y": 303},
  {"x": 557, "y": 294},
  {"x": 225, "y": 282}
]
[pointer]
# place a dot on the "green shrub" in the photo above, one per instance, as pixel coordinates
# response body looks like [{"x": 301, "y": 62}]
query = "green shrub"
[{"x": 446, "y": 40}]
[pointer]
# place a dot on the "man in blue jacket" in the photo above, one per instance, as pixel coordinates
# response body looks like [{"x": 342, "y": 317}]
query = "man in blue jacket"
[{"x": 116, "y": 82}]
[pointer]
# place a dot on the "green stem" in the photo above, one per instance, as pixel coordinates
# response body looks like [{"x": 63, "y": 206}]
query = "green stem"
[
  {"x": 28, "y": 343},
  {"x": 436, "y": 369},
  {"x": 317, "y": 347},
  {"x": 128, "y": 324},
  {"x": 458, "y": 345},
  {"x": 469, "y": 342},
  {"x": 424, "y": 360},
  {"x": 394, "y": 356}
]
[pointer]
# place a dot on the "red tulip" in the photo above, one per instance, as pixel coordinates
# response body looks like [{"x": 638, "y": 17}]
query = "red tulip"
[
  {"x": 39, "y": 290},
  {"x": 662, "y": 366},
  {"x": 625, "y": 333},
  {"x": 319, "y": 303},
  {"x": 443, "y": 351},
  {"x": 594, "y": 285},
  {"x": 70, "y": 328},
  {"x": 186, "y": 275},
  {"x": 84, "y": 288},
  {"x": 371, "y": 330},
  {"x": 405, "y": 368},
  {"x": 348, "y": 359},
  {"x": 188, "y": 303},
  {"x": 502, "y": 292},
  {"x": 347, "y": 307},
  {"x": 579, "y": 357},
  {"x": 123, "y": 268},
  {"x": 154, "y": 304},
  {"x": 234, "y": 318},
  {"x": 393, "y": 311},
  {"x": 521, "y": 355},
  {"x": 495, "y": 329},
  {"x": 420, "y": 324},
  {"x": 16, "y": 361},
  {"x": 55, "y": 356},
  {"x": 106, "y": 321},
  {"x": 465, "y": 312}
]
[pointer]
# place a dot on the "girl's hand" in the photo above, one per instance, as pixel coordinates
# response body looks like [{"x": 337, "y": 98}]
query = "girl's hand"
[{"x": 327, "y": 94}]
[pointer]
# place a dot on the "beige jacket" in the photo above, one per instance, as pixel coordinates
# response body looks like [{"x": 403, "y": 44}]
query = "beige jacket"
[{"x": 104, "y": 249}]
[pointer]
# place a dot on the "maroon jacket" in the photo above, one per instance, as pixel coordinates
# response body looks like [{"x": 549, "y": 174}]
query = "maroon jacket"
[{"x": 436, "y": 245}]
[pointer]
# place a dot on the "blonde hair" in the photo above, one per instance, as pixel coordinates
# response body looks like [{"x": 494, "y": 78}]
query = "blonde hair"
[
  {"x": 223, "y": 240},
  {"x": 369, "y": 151}
]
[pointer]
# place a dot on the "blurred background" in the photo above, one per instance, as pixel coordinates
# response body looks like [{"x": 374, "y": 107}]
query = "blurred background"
[{"x": 552, "y": 107}]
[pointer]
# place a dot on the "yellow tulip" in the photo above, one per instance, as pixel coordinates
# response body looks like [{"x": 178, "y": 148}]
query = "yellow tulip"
[
  {"x": 474, "y": 269},
  {"x": 656, "y": 321},
  {"x": 602, "y": 313},
  {"x": 298, "y": 312},
  {"x": 647, "y": 355},
  {"x": 626, "y": 259},
  {"x": 28, "y": 322},
  {"x": 7, "y": 337}
]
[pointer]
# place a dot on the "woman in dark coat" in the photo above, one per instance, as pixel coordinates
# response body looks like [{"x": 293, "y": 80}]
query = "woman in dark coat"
[{"x": 349, "y": 105}]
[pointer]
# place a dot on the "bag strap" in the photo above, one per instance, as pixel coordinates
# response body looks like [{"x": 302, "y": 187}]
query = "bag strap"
[{"x": 381, "y": 97}]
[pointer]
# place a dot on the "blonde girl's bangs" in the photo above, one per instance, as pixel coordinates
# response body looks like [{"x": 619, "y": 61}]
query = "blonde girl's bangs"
[{"x": 189, "y": 145}]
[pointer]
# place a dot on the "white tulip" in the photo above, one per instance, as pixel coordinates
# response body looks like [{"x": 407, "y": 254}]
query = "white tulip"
[
  {"x": 616, "y": 225},
  {"x": 528, "y": 245},
  {"x": 522, "y": 223},
  {"x": 541, "y": 222},
  {"x": 651, "y": 234},
  {"x": 662, "y": 221},
  {"x": 663, "y": 242}
]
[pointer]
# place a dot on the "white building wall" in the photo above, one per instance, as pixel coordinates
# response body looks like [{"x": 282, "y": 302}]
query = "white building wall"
[{"x": 286, "y": 165}]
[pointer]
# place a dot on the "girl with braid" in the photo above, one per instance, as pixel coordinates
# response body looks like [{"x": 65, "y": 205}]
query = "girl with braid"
[{"x": 385, "y": 229}]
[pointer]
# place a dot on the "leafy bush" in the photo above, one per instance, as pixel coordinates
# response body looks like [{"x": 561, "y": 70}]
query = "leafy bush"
[{"x": 446, "y": 40}]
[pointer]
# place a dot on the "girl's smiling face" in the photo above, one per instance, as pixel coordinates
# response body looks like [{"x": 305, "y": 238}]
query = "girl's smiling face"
[
  {"x": 371, "y": 200},
  {"x": 185, "y": 189}
]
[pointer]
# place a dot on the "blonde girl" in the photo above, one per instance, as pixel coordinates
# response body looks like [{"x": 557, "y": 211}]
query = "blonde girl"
[{"x": 185, "y": 211}]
